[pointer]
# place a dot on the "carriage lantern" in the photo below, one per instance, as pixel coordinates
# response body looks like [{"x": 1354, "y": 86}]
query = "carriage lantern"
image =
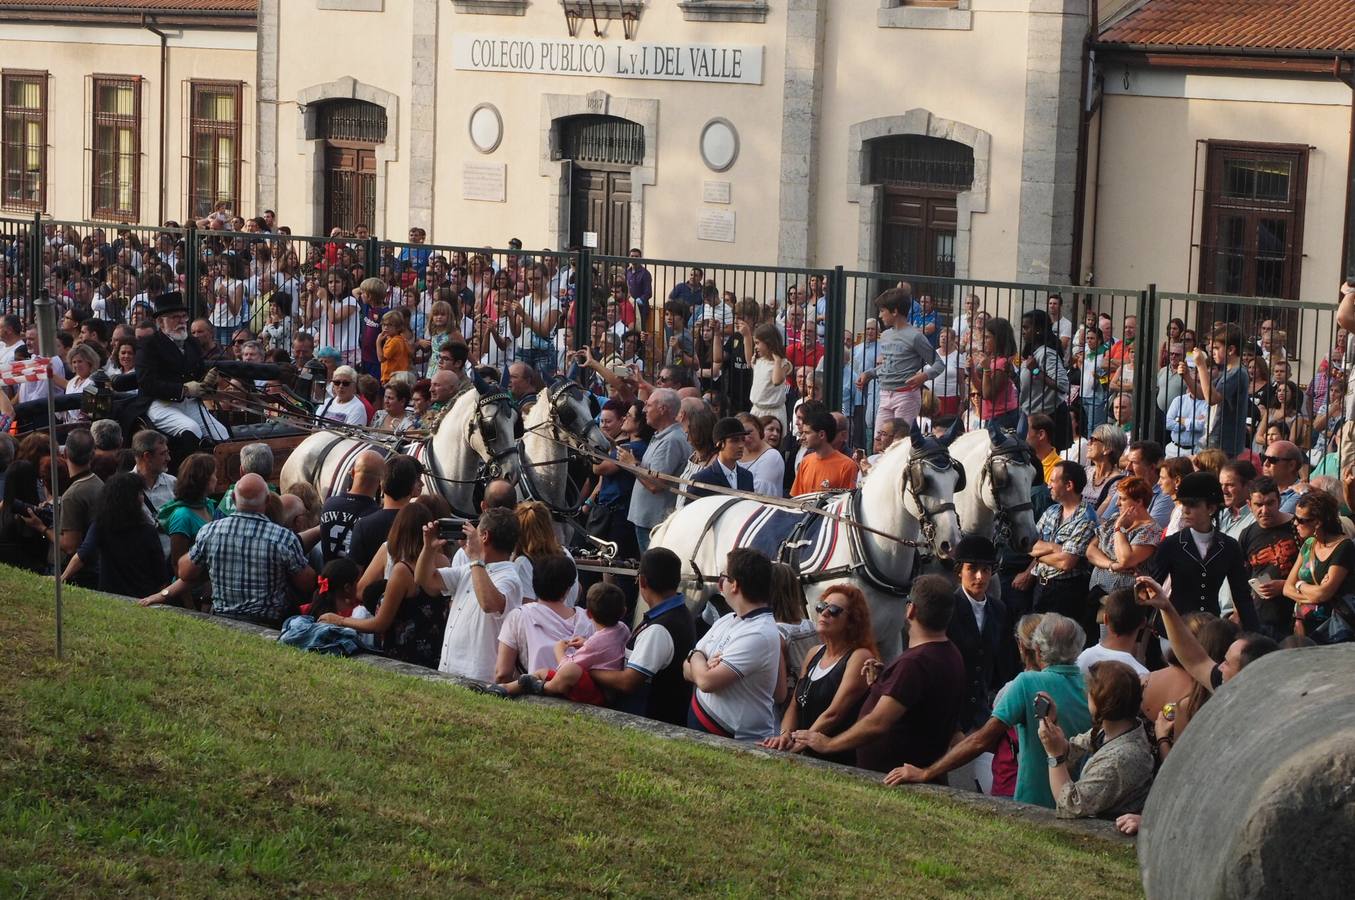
[
  {"x": 314, "y": 374},
  {"x": 97, "y": 402}
]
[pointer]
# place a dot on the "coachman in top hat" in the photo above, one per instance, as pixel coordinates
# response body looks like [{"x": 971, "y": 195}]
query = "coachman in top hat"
[{"x": 170, "y": 371}]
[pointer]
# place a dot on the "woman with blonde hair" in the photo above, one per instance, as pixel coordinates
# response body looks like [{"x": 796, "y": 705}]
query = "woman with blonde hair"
[
  {"x": 1210, "y": 460},
  {"x": 537, "y": 540},
  {"x": 829, "y": 693}
]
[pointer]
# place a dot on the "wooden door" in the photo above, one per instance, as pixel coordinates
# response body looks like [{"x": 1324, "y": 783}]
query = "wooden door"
[
  {"x": 918, "y": 233},
  {"x": 600, "y": 202},
  {"x": 350, "y": 187}
]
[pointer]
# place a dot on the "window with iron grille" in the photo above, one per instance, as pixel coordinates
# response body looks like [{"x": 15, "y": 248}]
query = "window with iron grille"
[
  {"x": 23, "y": 140},
  {"x": 213, "y": 146},
  {"x": 1252, "y": 228},
  {"x": 116, "y": 153},
  {"x": 602, "y": 139},
  {"x": 916, "y": 160},
  {"x": 351, "y": 120}
]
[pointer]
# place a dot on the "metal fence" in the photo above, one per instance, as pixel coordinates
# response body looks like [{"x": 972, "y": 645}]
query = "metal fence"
[{"x": 676, "y": 323}]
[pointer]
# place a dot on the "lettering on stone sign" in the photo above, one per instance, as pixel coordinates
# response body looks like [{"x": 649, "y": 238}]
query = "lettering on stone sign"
[{"x": 660, "y": 61}]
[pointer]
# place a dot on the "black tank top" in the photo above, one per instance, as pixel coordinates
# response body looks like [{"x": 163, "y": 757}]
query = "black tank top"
[{"x": 813, "y": 697}]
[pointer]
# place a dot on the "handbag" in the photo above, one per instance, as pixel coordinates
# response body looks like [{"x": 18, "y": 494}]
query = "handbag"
[{"x": 1337, "y": 629}]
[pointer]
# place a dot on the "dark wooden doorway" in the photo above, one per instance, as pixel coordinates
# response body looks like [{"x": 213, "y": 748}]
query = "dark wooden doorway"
[
  {"x": 917, "y": 234},
  {"x": 600, "y": 203},
  {"x": 350, "y": 187},
  {"x": 351, "y": 130},
  {"x": 603, "y": 151}
]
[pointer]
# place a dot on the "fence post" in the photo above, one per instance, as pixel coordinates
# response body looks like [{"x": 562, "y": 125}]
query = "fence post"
[
  {"x": 832, "y": 335},
  {"x": 190, "y": 270},
  {"x": 372, "y": 249},
  {"x": 1145, "y": 367},
  {"x": 34, "y": 262},
  {"x": 583, "y": 297}
]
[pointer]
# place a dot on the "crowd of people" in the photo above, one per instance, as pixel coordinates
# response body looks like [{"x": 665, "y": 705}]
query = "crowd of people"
[{"x": 1061, "y": 677}]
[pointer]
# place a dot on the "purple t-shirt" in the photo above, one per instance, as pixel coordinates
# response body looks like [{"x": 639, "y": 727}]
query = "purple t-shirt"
[{"x": 606, "y": 649}]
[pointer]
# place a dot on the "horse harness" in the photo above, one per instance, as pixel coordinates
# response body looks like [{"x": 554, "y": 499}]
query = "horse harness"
[
  {"x": 564, "y": 437},
  {"x": 422, "y": 450},
  {"x": 1008, "y": 451}
]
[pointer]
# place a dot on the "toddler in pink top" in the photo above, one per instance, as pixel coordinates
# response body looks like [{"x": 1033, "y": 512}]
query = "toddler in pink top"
[{"x": 576, "y": 657}]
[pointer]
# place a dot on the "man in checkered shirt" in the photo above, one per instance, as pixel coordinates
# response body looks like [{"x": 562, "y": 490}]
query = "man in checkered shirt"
[
  {"x": 251, "y": 561},
  {"x": 1058, "y": 569}
]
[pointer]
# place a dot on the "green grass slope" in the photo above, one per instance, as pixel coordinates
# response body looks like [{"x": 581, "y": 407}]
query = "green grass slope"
[{"x": 167, "y": 756}]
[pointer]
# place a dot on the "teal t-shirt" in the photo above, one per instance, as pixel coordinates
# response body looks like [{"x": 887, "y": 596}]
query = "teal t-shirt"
[{"x": 1016, "y": 707}]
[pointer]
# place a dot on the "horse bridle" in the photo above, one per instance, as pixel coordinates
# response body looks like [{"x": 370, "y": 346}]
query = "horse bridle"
[
  {"x": 564, "y": 437},
  {"x": 1003, "y": 514},
  {"x": 927, "y": 517},
  {"x": 489, "y": 435}
]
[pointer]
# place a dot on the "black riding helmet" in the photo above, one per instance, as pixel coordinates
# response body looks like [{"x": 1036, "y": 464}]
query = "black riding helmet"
[{"x": 1200, "y": 487}]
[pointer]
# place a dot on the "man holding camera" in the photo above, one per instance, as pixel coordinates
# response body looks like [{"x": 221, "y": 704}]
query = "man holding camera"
[{"x": 482, "y": 591}]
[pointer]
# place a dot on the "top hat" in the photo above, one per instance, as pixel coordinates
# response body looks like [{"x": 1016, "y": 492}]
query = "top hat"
[
  {"x": 727, "y": 428},
  {"x": 169, "y": 302},
  {"x": 975, "y": 548}
]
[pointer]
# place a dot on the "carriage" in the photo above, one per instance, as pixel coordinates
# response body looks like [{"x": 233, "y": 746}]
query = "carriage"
[{"x": 915, "y": 504}]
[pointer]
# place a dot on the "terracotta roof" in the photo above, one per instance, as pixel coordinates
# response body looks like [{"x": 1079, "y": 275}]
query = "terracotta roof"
[
  {"x": 136, "y": 5},
  {"x": 231, "y": 14},
  {"x": 1261, "y": 24}
]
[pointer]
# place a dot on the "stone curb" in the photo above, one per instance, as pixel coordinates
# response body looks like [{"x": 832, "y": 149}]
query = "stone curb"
[{"x": 996, "y": 806}]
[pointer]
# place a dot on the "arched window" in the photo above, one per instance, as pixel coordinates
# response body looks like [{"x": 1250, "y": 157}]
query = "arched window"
[
  {"x": 350, "y": 120},
  {"x": 916, "y": 160},
  {"x": 602, "y": 139}
]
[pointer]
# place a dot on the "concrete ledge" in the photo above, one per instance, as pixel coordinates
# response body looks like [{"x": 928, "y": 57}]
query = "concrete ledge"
[
  {"x": 351, "y": 5},
  {"x": 491, "y": 7},
  {"x": 937, "y": 18},
  {"x": 995, "y": 806},
  {"x": 724, "y": 10}
]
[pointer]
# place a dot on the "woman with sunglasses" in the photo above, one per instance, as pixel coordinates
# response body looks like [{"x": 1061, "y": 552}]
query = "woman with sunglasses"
[
  {"x": 1325, "y": 570},
  {"x": 344, "y": 406},
  {"x": 829, "y": 693}
]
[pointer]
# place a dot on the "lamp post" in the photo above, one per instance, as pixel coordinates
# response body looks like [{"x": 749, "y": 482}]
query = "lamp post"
[
  {"x": 96, "y": 401},
  {"x": 44, "y": 312}
]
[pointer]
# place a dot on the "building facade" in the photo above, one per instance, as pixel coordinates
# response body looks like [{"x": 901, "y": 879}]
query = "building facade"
[
  {"x": 1034, "y": 140},
  {"x": 1219, "y": 149},
  {"x": 799, "y": 132},
  {"x": 126, "y": 112}
]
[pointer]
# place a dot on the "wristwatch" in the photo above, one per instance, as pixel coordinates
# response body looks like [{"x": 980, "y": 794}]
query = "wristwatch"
[
  {"x": 1056, "y": 761},
  {"x": 477, "y": 563},
  {"x": 164, "y": 594}
]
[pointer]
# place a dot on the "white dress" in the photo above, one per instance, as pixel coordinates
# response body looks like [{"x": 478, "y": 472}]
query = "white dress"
[
  {"x": 769, "y": 473},
  {"x": 768, "y": 399}
]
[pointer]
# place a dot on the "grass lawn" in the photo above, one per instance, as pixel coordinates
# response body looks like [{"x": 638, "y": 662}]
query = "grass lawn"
[{"x": 170, "y": 757}]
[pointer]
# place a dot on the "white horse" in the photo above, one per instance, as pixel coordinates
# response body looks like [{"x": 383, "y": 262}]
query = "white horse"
[
  {"x": 996, "y": 499},
  {"x": 907, "y": 495},
  {"x": 559, "y": 418},
  {"x": 474, "y": 441}
]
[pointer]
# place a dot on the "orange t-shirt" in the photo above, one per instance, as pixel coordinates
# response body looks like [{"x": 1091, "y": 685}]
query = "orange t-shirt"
[
  {"x": 394, "y": 357},
  {"x": 815, "y": 474}
]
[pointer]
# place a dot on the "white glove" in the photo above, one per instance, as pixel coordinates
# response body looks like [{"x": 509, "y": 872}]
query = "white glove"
[{"x": 192, "y": 389}]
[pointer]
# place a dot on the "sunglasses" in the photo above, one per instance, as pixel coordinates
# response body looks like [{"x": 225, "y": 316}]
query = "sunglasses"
[
  {"x": 343, "y": 383},
  {"x": 1275, "y": 460},
  {"x": 832, "y": 610},
  {"x": 1304, "y": 520},
  {"x": 238, "y": 341}
]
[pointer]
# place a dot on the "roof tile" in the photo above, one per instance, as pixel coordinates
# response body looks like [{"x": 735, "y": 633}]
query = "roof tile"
[
  {"x": 1268, "y": 24},
  {"x": 137, "y": 5}
]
